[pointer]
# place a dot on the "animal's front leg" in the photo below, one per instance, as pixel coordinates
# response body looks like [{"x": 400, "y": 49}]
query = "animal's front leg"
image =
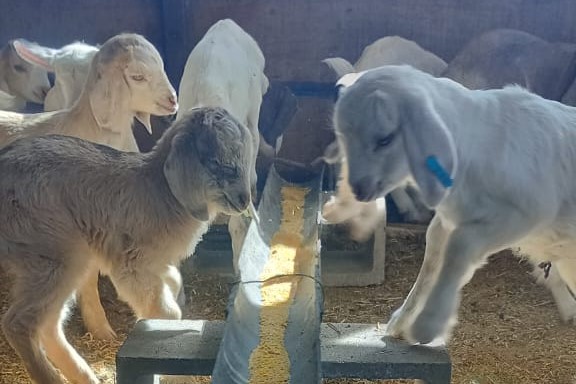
[
  {"x": 464, "y": 253},
  {"x": 91, "y": 307},
  {"x": 173, "y": 279},
  {"x": 466, "y": 248},
  {"x": 402, "y": 319},
  {"x": 147, "y": 292}
]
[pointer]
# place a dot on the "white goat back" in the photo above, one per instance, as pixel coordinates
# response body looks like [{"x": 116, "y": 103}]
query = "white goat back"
[
  {"x": 224, "y": 69},
  {"x": 396, "y": 50},
  {"x": 71, "y": 65}
]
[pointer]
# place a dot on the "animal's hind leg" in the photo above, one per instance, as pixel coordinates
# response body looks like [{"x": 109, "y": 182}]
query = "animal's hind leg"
[
  {"x": 21, "y": 330},
  {"x": 565, "y": 302},
  {"x": 62, "y": 354},
  {"x": 41, "y": 289},
  {"x": 566, "y": 269},
  {"x": 91, "y": 308}
]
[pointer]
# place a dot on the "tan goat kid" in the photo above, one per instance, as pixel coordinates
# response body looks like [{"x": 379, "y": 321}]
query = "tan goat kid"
[{"x": 126, "y": 80}]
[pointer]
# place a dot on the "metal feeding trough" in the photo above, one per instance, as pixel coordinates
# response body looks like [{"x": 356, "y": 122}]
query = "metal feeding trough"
[
  {"x": 274, "y": 316},
  {"x": 273, "y": 332}
]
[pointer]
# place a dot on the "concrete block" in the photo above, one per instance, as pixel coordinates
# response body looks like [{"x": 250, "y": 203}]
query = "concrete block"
[
  {"x": 348, "y": 263},
  {"x": 343, "y": 261},
  {"x": 189, "y": 347}
]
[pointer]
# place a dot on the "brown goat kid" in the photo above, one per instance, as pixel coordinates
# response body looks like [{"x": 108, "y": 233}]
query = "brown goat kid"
[{"x": 67, "y": 205}]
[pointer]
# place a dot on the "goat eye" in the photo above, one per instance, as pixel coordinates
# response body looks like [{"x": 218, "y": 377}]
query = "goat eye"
[
  {"x": 384, "y": 141},
  {"x": 19, "y": 68},
  {"x": 138, "y": 78}
]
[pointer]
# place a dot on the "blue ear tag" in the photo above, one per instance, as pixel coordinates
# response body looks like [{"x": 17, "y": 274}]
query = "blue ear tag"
[{"x": 434, "y": 166}]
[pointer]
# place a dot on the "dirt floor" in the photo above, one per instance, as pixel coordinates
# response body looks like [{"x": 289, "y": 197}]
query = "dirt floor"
[{"x": 509, "y": 330}]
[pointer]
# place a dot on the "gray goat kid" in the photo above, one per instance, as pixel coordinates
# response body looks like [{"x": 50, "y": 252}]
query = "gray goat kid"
[
  {"x": 132, "y": 215},
  {"x": 496, "y": 165}
]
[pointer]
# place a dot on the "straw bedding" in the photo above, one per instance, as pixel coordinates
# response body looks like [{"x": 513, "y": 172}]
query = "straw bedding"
[{"x": 509, "y": 330}]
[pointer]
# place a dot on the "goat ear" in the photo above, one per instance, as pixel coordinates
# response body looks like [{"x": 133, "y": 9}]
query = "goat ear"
[
  {"x": 35, "y": 54},
  {"x": 183, "y": 174},
  {"x": 431, "y": 151},
  {"x": 144, "y": 118},
  {"x": 105, "y": 96},
  {"x": 339, "y": 65}
]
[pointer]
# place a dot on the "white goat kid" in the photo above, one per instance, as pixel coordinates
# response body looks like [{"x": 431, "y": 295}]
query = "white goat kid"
[
  {"x": 71, "y": 66},
  {"x": 509, "y": 156},
  {"x": 131, "y": 215},
  {"x": 226, "y": 69},
  {"x": 23, "y": 77},
  {"x": 362, "y": 218}
]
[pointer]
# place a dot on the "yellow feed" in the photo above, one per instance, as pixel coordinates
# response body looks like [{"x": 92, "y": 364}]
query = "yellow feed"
[{"x": 269, "y": 362}]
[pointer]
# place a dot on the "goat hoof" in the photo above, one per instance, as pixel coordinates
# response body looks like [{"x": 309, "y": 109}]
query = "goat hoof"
[
  {"x": 103, "y": 333},
  {"x": 569, "y": 319},
  {"x": 181, "y": 299},
  {"x": 424, "y": 335},
  {"x": 430, "y": 326},
  {"x": 395, "y": 327}
]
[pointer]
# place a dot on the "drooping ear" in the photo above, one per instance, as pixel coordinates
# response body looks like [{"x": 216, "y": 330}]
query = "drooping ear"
[
  {"x": 35, "y": 54},
  {"x": 183, "y": 174},
  {"x": 144, "y": 118},
  {"x": 430, "y": 150},
  {"x": 333, "y": 153},
  {"x": 339, "y": 65},
  {"x": 109, "y": 90}
]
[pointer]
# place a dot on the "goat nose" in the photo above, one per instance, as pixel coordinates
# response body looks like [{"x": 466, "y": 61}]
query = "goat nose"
[{"x": 364, "y": 189}]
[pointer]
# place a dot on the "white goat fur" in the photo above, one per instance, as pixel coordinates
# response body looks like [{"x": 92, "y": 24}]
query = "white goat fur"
[
  {"x": 104, "y": 114},
  {"x": 22, "y": 77},
  {"x": 71, "y": 66},
  {"x": 362, "y": 218},
  {"x": 130, "y": 215},
  {"x": 511, "y": 154},
  {"x": 226, "y": 69}
]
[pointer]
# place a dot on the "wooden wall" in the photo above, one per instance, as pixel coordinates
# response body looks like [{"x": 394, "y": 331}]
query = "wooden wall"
[
  {"x": 59, "y": 22},
  {"x": 295, "y": 35}
]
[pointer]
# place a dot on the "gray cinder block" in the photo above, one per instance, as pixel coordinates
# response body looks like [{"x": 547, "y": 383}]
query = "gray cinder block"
[{"x": 189, "y": 347}]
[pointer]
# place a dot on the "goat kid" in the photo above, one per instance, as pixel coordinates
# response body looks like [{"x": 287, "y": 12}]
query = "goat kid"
[
  {"x": 496, "y": 165},
  {"x": 130, "y": 215}
]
